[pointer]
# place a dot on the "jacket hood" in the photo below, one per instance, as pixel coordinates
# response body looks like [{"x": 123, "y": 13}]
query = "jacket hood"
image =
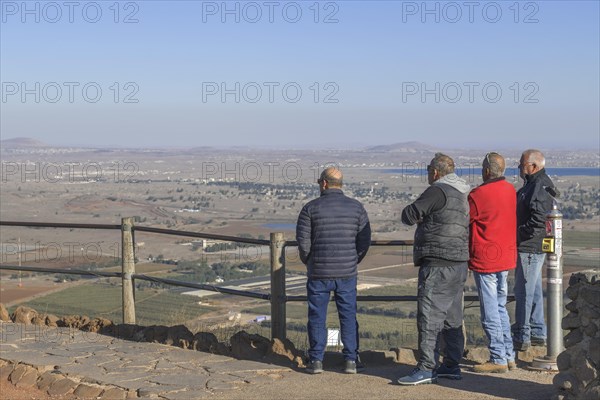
[{"x": 455, "y": 181}]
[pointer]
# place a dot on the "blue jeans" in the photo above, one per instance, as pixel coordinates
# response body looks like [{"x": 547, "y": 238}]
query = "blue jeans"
[
  {"x": 318, "y": 293},
  {"x": 492, "y": 289},
  {"x": 529, "y": 311}
]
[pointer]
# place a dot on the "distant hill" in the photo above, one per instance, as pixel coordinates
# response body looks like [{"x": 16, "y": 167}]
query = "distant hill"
[
  {"x": 21, "y": 142},
  {"x": 404, "y": 147}
]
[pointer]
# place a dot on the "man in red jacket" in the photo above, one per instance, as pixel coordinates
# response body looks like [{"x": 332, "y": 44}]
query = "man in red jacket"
[{"x": 493, "y": 252}]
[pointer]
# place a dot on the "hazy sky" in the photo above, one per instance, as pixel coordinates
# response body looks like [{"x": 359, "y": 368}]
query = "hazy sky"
[{"x": 301, "y": 74}]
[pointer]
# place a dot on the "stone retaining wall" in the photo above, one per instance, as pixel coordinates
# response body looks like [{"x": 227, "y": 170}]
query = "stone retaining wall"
[
  {"x": 580, "y": 362},
  {"x": 56, "y": 384}
]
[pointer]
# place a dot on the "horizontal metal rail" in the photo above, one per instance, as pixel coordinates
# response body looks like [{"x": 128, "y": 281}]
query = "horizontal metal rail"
[
  {"x": 260, "y": 242},
  {"x": 139, "y": 228},
  {"x": 59, "y": 225},
  {"x": 142, "y": 277},
  {"x": 292, "y": 243},
  {"x": 202, "y": 286},
  {"x": 62, "y": 271},
  {"x": 391, "y": 298}
]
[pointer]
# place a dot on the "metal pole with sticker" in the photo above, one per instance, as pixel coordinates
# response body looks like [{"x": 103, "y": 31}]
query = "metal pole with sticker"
[{"x": 552, "y": 244}]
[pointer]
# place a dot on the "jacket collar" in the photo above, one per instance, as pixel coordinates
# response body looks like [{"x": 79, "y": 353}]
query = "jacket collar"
[
  {"x": 493, "y": 180},
  {"x": 331, "y": 191},
  {"x": 536, "y": 176}
]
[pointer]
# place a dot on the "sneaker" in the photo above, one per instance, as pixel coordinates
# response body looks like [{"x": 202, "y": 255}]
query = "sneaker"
[
  {"x": 314, "y": 367},
  {"x": 350, "y": 367},
  {"x": 418, "y": 377},
  {"x": 512, "y": 365},
  {"x": 521, "y": 346},
  {"x": 449, "y": 372},
  {"x": 490, "y": 367},
  {"x": 535, "y": 341}
]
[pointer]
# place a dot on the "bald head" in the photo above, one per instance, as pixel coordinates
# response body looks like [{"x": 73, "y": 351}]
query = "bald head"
[
  {"x": 333, "y": 176},
  {"x": 535, "y": 157},
  {"x": 494, "y": 164}
]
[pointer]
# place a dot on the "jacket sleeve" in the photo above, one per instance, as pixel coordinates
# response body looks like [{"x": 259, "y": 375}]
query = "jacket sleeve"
[
  {"x": 303, "y": 233},
  {"x": 431, "y": 200},
  {"x": 363, "y": 238}
]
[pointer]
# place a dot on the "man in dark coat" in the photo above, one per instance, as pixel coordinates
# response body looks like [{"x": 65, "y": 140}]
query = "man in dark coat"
[
  {"x": 334, "y": 235},
  {"x": 534, "y": 201}
]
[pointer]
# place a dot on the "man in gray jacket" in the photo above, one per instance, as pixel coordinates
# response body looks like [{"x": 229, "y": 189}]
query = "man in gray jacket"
[
  {"x": 441, "y": 251},
  {"x": 333, "y": 234}
]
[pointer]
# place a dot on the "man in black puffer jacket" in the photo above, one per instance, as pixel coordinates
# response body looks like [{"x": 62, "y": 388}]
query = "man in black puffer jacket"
[{"x": 334, "y": 235}]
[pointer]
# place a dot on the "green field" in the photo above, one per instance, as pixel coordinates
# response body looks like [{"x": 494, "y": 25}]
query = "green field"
[
  {"x": 383, "y": 325},
  {"x": 153, "y": 307},
  {"x": 581, "y": 239}
]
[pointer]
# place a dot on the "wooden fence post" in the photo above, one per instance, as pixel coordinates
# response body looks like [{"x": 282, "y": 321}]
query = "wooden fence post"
[
  {"x": 278, "y": 297},
  {"x": 128, "y": 269}
]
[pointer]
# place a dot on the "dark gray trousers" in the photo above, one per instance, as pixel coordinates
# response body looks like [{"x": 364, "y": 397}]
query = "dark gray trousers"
[{"x": 440, "y": 311}]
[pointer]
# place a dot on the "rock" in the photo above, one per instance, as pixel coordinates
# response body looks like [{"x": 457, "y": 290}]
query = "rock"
[
  {"x": 4, "y": 316},
  {"x": 563, "y": 361},
  {"x": 74, "y": 321},
  {"x": 572, "y": 292},
  {"x": 24, "y": 315},
  {"x": 29, "y": 379},
  {"x": 123, "y": 331},
  {"x": 572, "y": 306},
  {"x": 18, "y": 373},
  {"x": 39, "y": 319},
  {"x": 114, "y": 394},
  {"x": 571, "y": 321},
  {"x": 594, "y": 354},
  {"x": 6, "y": 370},
  {"x": 68, "y": 321},
  {"x": 478, "y": 354},
  {"x": 47, "y": 379},
  {"x": 61, "y": 387},
  {"x": 563, "y": 380},
  {"x": 592, "y": 393},
  {"x": 285, "y": 349},
  {"x": 51, "y": 320},
  {"x": 180, "y": 336},
  {"x": 585, "y": 371},
  {"x": 205, "y": 341},
  {"x": 405, "y": 356},
  {"x": 87, "y": 391},
  {"x": 97, "y": 325},
  {"x": 591, "y": 329},
  {"x": 590, "y": 312},
  {"x": 378, "y": 357},
  {"x": 152, "y": 334},
  {"x": 249, "y": 346},
  {"x": 573, "y": 337}
]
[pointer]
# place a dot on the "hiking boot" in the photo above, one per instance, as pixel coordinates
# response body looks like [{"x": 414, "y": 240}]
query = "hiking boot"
[
  {"x": 535, "y": 341},
  {"x": 490, "y": 367},
  {"x": 350, "y": 367},
  {"x": 314, "y": 367},
  {"x": 449, "y": 372},
  {"x": 521, "y": 346},
  {"x": 512, "y": 365},
  {"x": 418, "y": 377}
]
